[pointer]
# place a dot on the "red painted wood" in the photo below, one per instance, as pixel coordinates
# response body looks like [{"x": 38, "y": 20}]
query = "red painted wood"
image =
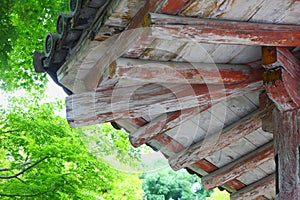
[
  {"x": 170, "y": 72},
  {"x": 287, "y": 149},
  {"x": 224, "y": 32},
  {"x": 209, "y": 167},
  {"x": 123, "y": 102},
  {"x": 239, "y": 167},
  {"x": 155, "y": 5},
  {"x": 162, "y": 124},
  {"x": 267, "y": 105},
  {"x": 285, "y": 93},
  {"x": 255, "y": 190},
  {"x": 286, "y": 124},
  {"x": 229, "y": 135},
  {"x": 173, "y": 6},
  {"x": 203, "y": 164}
]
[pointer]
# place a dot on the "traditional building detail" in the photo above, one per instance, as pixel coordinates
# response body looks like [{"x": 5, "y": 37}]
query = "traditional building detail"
[{"x": 213, "y": 86}]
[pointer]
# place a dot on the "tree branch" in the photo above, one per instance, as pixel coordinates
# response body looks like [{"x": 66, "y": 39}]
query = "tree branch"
[
  {"x": 21, "y": 180},
  {"x": 22, "y": 164},
  {"x": 26, "y": 169},
  {"x": 4, "y": 169},
  {"x": 28, "y": 195}
]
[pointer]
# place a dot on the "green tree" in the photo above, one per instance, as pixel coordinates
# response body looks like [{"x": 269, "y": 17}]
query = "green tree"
[
  {"x": 42, "y": 158},
  {"x": 219, "y": 195},
  {"x": 23, "y": 27},
  {"x": 167, "y": 184}
]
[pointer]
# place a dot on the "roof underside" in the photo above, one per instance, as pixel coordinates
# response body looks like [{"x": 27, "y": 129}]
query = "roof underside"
[{"x": 224, "y": 131}]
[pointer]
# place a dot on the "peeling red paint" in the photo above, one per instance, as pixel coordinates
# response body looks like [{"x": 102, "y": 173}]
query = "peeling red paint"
[{"x": 173, "y": 6}]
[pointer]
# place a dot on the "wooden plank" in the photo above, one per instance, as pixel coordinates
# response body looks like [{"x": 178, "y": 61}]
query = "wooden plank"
[
  {"x": 238, "y": 167},
  {"x": 181, "y": 72},
  {"x": 255, "y": 190},
  {"x": 222, "y": 31},
  {"x": 215, "y": 143}
]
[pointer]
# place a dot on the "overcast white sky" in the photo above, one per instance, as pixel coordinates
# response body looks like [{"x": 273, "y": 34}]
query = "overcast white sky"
[{"x": 53, "y": 91}]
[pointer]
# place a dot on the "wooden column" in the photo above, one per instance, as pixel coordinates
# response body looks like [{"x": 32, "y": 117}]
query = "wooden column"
[{"x": 284, "y": 91}]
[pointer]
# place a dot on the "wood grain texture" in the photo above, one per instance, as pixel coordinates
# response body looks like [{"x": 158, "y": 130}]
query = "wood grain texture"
[
  {"x": 239, "y": 167},
  {"x": 215, "y": 143},
  {"x": 287, "y": 151},
  {"x": 181, "y": 72},
  {"x": 106, "y": 105},
  {"x": 223, "y": 32},
  {"x": 255, "y": 190}
]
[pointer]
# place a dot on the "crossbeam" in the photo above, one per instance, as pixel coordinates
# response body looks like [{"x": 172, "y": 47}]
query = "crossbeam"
[
  {"x": 181, "y": 72},
  {"x": 222, "y": 31}
]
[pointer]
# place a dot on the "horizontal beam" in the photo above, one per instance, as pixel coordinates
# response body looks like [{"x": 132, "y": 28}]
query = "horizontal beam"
[
  {"x": 181, "y": 72},
  {"x": 255, "y": 190},
  {"x": 222, "y": 31},
  {"x": 106, "y": 105},
  {"x": 239, "y": 167},
  {"x": 206, "y": 147}
]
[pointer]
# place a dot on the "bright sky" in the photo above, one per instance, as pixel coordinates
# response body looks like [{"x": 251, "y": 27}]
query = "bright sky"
[{"x": 53, "y": 91}]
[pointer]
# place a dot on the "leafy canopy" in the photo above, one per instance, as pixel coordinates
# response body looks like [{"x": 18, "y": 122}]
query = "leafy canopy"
[
  {"x": 42, "y": 158},
  {"x": 167, "y": 184},
  {"x": 23, "y": 27}
]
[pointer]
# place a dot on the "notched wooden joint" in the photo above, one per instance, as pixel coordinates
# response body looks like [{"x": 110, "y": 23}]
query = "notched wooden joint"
[{"x": 272, "y": 75}]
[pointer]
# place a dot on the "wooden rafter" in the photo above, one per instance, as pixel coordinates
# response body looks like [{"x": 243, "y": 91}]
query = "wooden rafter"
[
  {"x": 120, "y": 102},
  {"x": 181, "y": 72},
  {"x": 239, "y": 167},
  {"x": 208, "y": 146},
  {"x": 255, "y": 190},
  {"x": 203, "y": 164},
  {"x": 163, "y": 123},
  {"x": 222, "y": 31}
]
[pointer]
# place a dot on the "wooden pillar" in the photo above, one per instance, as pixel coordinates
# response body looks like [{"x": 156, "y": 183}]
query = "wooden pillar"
[
  {"x": 282, "y": 85},
  {"x": 287, "y": 147}
]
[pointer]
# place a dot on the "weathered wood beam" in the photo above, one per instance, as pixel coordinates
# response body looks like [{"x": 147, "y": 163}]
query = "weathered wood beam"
[
  {"x": 162, "y": 124},
  {"x": 287, "y": 154},
  {"x": 105, "y": 105},
  {"x": 178, "y": 72},
  {"x": 239, "y": 167},
  {"x": 285, "y": 93},
  {"x": 222, "y": 31},
  {"x": 174, "y": 146},
  {"x": 85, "y": 69},
  {"x": 217, "y": 142},
  {"x": 173, "y": 6},
  {"x": 266, "y": 104},
  {"x": 255, "y": 190}
]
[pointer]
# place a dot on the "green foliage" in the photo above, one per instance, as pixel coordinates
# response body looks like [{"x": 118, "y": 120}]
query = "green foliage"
[
  {"x": 219, "y": 195},
  {"x": 167, "y": 184},
  {"x": 23, "y": 27},
  {"x": 42, "y": 158}
]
